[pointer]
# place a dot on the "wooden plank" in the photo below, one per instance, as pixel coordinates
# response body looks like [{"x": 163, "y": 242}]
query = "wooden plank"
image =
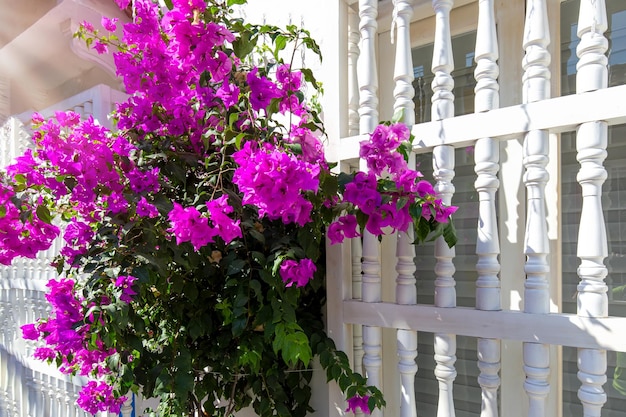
[
  {"x": 555, "y": 329},
  {"x": 509, "y": 122}
]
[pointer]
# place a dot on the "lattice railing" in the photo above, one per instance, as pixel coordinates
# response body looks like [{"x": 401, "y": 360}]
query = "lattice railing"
[{"x": 356, "y": 287}]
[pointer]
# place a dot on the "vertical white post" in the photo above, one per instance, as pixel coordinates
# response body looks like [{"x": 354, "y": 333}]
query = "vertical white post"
[
  {"x": 536, "y": 86},
  {"x": 127, "y": 408},
  {"x": 443, "y": 172},
  {"x": 591, "y": 143},
  {"x": 353, "y": 129},
  {"x": 368, "y": 112},
  {"x": 353, "y": 82},
  {"x": 487, "y": 158},
  {"x": 357, "y": 294},
  {"x": 406, "y": 290},
  {"x": 367, "y": 74},
  {"x": 37, "y": 387},
  {"x": 403, "y": 91}
]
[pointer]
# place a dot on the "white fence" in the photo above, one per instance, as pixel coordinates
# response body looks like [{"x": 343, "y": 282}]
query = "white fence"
[
  {"x": 28, "y": 387},
  {"x": 360, "y": 271}
]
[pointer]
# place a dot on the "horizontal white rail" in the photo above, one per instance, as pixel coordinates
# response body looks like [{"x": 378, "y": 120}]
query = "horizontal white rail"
[
  {"x": 556, "y": 329},
  {"x": 508, "y": 122}
]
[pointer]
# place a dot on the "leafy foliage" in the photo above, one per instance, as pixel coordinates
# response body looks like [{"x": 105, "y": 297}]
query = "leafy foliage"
[{"x": 193, "y": 266}]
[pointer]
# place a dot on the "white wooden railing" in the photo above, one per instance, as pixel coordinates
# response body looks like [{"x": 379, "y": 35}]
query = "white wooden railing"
[
  {"x": 28, "y": 387},
  {"x": 358, "y": 317}
]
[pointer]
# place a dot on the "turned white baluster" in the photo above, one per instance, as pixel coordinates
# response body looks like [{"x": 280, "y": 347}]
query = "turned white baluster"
[
  {"x": 406, "y": 290},
  {"x": 357, "y": 294},
  {"x": 403, "y": 91},
  {"x": 406, "y": 293},
  {"x": 371, "y": 293},
  {"x": 38, "y": 395},
  {"x": 357, "y": 284},
  {"x": 367, "y": 75},
  {"x": 486, "y": 154},
  {"x": 591, "y": 143},
  {"x": 368, "y": 113},
  {"x": 127, "y": 408},
  {"x": 353, "y": 82},
  {"x": 443, "y": 172},
  {"x": 536, "y": 86},
  {"x": 353, "y": 129},
  {"x": 4, "y": 380},
  {"x": 443, "y": 63}
]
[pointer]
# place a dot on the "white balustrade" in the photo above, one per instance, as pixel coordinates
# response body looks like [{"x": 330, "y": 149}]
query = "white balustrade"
[
  {"x": 443, "y": 172},
  {"x": 536, "y": 86},
  {"x": 486, "y": 154},
  {"x": 591, "y": 143}
]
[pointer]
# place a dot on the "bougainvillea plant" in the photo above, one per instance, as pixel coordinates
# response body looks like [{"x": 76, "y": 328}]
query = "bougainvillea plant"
[{"x": 194, "y": 232}]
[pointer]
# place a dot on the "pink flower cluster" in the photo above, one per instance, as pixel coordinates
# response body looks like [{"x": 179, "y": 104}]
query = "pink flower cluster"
[
  {"x": 17, "y": 236},
  {"x": 189, "y": 225},
  {"x": 299, "y": 273},
  {"x": 387, "y": 206},
  {"x": 125, "y": 284},
  {"x": 163, "y": 66},
  {"x": 357, "y": 403},
  {"x": 66, "y": 337},
  {"x": 275, "y": 181},
  {"x": 98, "y": 396},
  {"x": 263, "y": 90}
]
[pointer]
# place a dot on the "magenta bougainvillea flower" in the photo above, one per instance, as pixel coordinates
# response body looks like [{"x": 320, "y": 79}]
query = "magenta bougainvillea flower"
[{"x": 193, "y": 230}]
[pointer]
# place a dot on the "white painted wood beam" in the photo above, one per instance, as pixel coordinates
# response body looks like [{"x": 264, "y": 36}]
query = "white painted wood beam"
[
  {"x": 510, "y": 122},
  {"x": 556, "y": 329}
]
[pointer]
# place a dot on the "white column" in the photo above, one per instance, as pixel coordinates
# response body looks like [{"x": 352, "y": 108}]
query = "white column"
[
  {"x": 536, "y": 86},
  {"x": 367, "y": 75},
  {"x": 353, "y": 129},
  {"x": 353, "y": 82},
  {"x": 486, "y": 153},
  {"x": 406, "y": 290},
  {"x": 403, "y": 91},
  {"x": 591, "y": 143},
  {"x": 357, "y": 286},
  {"x": 443, "y": 172},
  {"x": 127, "y": 408},
  {"x": 368, "y": 112}
]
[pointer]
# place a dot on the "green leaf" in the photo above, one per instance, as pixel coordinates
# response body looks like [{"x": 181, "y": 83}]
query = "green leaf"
[
  {"x": 235, "y": 267},
  {"x": 398, "y": 115},
  {"x": 233, "y": 2},
  {"x": 244, "y": 45},
  {"x": 257, "y": 236},
  {"x": 44, "y": 214},
  {"x": 238, "y": 140},
  {"x": 279, "y": 44},
  {"x": 422, "y": 229},
  {"x": 313, "y": 46},
  {"x": 232, "y": 118},
  {"x": 308, "y": 76},
  {"x": 344, "y": 179},
  {"x": 191, "y": 291},
  {"x": 402, "y": 201},
  {"x": 449, "y": 233}
]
